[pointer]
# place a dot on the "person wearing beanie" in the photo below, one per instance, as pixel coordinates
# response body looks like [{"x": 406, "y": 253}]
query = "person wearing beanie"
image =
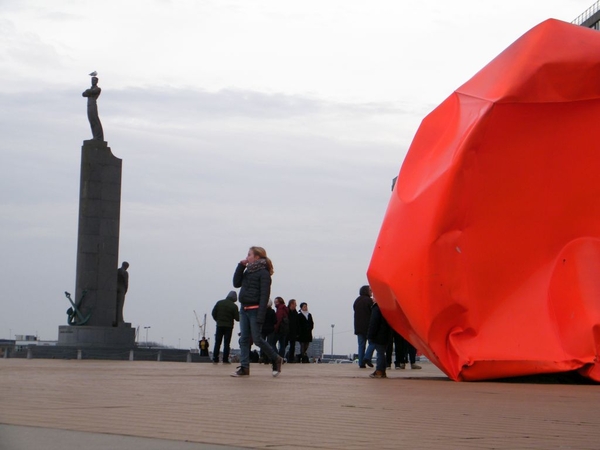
[{"x": 224, "y": 313}]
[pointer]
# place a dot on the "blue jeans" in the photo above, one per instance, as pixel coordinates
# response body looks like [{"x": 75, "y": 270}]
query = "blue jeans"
[
  {"x": 381, "y": 362},
  {"x": 369, "y": 352},
  {"x": 250, "y": 329},
  {"x": 362, "y": 344}
]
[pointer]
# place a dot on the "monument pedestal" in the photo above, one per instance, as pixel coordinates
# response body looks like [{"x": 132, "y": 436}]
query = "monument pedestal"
[
  {"x": 95, "y": 302},
  {"x": 91, "y": 336},
  {"x": 95, "y": 305}
]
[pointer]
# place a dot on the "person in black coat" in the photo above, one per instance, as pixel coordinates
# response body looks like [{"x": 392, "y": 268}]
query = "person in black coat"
[
  {"x": 305, "y": 327},
  {"x": 292, "y": 336},
  {"x": 225, "y": 313},
  {"x": 362, "y": 315},
  {"x": 268, "y": 330},
  {"x": 253, "y": 276},
  {"x": 282, "y": 327},
  {"x": 379, "y": 335}
]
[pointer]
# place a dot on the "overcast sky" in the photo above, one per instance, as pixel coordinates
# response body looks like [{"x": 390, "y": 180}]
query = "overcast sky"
[{"x": 271, "y": 123}]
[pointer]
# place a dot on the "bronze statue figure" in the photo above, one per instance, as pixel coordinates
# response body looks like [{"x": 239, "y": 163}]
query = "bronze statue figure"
[
  {"x": 122, "y": 286},
  {"x": 92, "y": 95}
]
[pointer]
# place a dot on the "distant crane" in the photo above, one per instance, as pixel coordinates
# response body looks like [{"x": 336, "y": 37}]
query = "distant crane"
[{"x": 201, "y": 328}]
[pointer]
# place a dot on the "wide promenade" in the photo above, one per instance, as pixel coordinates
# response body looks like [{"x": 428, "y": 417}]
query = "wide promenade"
[{"x": 160, "y": 405}]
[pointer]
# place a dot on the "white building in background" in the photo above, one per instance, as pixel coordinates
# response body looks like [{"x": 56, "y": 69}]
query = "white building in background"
[{"x": 22, "y": 341}]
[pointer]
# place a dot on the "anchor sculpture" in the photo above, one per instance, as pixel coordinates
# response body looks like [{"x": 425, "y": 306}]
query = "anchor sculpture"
[{"x": 75, "y": 315}]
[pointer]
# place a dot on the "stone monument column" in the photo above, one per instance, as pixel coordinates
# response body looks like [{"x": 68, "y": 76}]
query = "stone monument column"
[{"x": 98, "y": 236}]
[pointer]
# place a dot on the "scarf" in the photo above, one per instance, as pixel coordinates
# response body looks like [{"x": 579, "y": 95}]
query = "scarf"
[
  {"x": 306, "y": 313},
  {"x": 256, "y": 266}
]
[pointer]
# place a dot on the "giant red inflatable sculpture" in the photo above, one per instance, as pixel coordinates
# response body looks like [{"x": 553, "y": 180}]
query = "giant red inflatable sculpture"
[{"x": 488, "y": 259}]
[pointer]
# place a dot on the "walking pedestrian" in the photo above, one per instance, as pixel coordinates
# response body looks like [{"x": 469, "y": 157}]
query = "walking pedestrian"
[
  {"x": 225, "y": 312},
  {"x": 253, "y": 276}
]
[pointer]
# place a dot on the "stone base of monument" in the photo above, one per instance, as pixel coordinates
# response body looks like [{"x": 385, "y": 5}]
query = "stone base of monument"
[
  {"x": 106, "y": 353},
  {"x": 89, "y": 336}
]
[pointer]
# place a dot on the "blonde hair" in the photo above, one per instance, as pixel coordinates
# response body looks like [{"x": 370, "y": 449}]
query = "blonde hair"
[{"x": 262, "y": 254}]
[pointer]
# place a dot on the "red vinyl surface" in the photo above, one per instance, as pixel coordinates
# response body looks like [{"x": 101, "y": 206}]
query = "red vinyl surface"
[{"x": 488, "y": 258}]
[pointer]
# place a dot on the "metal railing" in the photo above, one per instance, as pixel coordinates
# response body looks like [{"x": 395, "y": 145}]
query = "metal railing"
[{"x": 587, "y": 13}]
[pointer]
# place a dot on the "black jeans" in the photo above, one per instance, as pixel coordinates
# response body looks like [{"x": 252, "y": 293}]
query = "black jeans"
[
  {"x": 303, "y": 349},
  {"x": 279, "y": 343},
  {"x": 408, "y": 349},
  {"x": 292, "y": 351},
  {"x": 223, "y": 334},
  {"x": 396, "y": 342}
]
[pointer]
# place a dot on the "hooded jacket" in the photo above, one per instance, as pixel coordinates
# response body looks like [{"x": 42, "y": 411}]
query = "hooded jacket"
[{"x": 226, "y": 311}]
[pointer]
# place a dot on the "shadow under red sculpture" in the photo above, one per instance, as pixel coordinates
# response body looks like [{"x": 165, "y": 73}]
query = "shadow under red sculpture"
[{"x": 488, "y": 259}]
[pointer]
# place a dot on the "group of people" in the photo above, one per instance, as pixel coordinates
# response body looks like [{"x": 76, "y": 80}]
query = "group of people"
[
  {"x": 284, "y": 326},
  {"x": 370, "y": 326},
  {"x": 278, "y": 329},
  {"x": 272, "y": 330}
]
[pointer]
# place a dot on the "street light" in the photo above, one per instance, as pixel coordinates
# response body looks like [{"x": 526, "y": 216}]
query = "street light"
[
  {"x": 146, "y": 328},
  {"x": 332, "y": 325}
]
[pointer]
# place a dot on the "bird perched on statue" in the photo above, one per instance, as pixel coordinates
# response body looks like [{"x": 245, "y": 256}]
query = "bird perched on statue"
[{"x": 93, "y": 74}]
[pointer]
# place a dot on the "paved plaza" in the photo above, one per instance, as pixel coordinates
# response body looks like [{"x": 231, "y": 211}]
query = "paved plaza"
[{"x": 57, "y": 404}]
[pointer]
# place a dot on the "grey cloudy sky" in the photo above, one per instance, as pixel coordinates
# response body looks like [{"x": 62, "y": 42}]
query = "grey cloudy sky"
[{"x": 271, "y": 123}]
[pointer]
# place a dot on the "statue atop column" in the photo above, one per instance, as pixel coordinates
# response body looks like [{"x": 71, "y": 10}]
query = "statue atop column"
[{"x": 92, "y": 95}]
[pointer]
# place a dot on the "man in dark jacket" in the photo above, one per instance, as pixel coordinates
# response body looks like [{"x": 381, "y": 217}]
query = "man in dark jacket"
[
  {"x": 362, "y": 315},
  {"x": 379, "y": 335},
  {"x": 224, "y": 313}
]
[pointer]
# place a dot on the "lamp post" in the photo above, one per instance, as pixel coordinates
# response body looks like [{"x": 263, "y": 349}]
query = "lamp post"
[
  {"x": 146, "y": 328},
  {"x": 332, "y": 325}
]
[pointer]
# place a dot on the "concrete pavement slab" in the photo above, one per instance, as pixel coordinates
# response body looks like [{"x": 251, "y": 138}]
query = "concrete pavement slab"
[
  {"x": 15, "y": 437},
  {"x": 317, "y": 406}
]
